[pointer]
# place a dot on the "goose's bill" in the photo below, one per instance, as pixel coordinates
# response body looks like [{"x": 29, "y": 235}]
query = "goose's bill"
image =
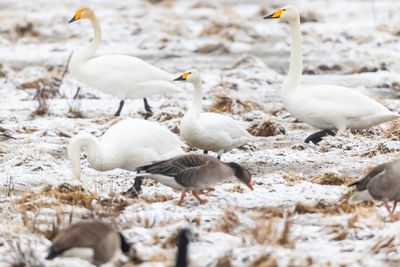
[
  {"x": 76, "y": 17},
  {"x": 274, "y": 15},
  {"x": 183, "y": 77},
  {"x": 249, "y": 185}
]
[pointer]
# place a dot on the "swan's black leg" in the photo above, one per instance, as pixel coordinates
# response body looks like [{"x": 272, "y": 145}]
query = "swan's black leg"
[
  {"x": 121, "y": 104},
  {"x": 138, "y": 184},
  {"x": 205, "y": 152},
  {"x": 317, "y": 137},
  {"x": 147, "y": 107},
  {"x": 136, "y": 189}
]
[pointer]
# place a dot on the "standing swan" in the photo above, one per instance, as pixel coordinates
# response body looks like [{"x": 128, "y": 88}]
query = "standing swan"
[
  {"x": 126, "y": 145},
  {"x": 207, "y": 130},
  {"x": 120, "y": 75},
  {"x": 326, "y": 107}
]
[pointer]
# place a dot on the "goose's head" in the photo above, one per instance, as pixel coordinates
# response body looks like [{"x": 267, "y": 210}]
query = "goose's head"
[
  {"x": 241, "y": 173},
  {"x": 84, "y": 12},
  {"x": 192, "y": 76},
  {"x": 287, "y": 13}
]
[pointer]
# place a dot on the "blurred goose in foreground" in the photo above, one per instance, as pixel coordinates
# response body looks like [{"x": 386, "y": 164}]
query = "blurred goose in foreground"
[
  {"x": 193, "y": 172},
  {"x": 127, "y": 145},
  {"x": 124, "y": 76},
  {"x": 382, "y": 183},
  {"x": 326, "y": 107},
  {"x": 97, "y": 242},
  {"x": 206, "y": 130},
  {"x": 5, "y": 134}
]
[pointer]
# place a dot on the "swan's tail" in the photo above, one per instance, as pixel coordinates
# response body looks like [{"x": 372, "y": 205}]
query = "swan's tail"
[{"x": 360, "y": 197}]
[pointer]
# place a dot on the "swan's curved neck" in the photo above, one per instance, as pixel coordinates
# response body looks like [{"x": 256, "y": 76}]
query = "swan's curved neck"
[
  {"x": 89, "y": 51},
  {"x": 93, "y": 150},
  {"x": 195, "y": 109},
  {"x": 293, "y": 78}
]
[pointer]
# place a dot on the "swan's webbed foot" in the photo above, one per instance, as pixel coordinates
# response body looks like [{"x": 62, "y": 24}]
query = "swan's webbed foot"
[
  {"x": 317, "y": 137},
  {"x": 205, "y": 152},
  {"x": 147, "y": 107},
  {"x": 121, "y": 105}
]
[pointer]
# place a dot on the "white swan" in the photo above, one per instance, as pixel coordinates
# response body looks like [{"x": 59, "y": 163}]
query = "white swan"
[
  {"x": 209, "y": 131},
  {"x": 326, "y": 107},
  {"x": 126, "y": 145},
  {"x": 124, "y": 76}
]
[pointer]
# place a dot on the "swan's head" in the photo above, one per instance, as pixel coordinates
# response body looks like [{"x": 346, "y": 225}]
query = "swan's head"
[
  {"x": 84, "y": 12},
  {"x": 241, "y": 173},
  {"x": 192, "y": 76},
  {"x": 286, "y": 13}
]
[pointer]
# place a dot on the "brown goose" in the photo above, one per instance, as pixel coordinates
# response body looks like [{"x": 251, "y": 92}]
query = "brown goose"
[
  {"x": 382, "y": 183},
  {"x": 98, "y": 236},
  {"x": 192, "y": 172}
]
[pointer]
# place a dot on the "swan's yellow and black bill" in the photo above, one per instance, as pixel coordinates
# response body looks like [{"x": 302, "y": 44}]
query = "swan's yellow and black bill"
[
  {"x": 274, "y": 15},
  {"x": 76, "y": 17},
  {"x": 183, "y": 77}
]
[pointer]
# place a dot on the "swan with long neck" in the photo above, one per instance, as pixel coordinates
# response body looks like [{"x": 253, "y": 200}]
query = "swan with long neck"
[
  {"x": 326, "y": 107},
  {"x": 127, "y": 145},
  {"x": 206, "y": 130},
  {"x": 124, "y": 76}
]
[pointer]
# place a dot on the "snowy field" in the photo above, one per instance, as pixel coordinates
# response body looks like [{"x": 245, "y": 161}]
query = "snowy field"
[{"x": 297, "y": 215}]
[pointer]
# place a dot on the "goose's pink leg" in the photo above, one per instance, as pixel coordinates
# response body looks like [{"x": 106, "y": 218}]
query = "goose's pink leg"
[
  {"x": 387, "y": 206},
  {"x": 198, "y": 198},
  {"x": 183, "y": 195},
  {"x": 394, "y": 206}
]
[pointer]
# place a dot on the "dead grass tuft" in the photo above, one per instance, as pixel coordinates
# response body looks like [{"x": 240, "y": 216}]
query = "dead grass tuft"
[
  {"x": 332, "y": 179},
  {"x": 21, "y": 255},
  {"x": 228, "y": 222},
  {"x": 342, "y": 207},
  {"x": 385, "y": 245},
  {"x": 380, "y": 149},
  {"x": 266, "y": 128},
  {"x": 226, "y": 104},
  {"x": 264, "y": 261},
  {"x": 224, "y": 261},
  {"x": 212, "y": 48},
  {"x": 324, "y": 179},
  {"x": 274, "y": 231}
]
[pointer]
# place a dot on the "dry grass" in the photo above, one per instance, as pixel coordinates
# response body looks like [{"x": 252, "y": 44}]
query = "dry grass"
[
  {"x": 384, "y": 245},
  {"x": 226, "y": 104},
  {"x": 266, "y": 128},
  {"x": 228, "y": 222},
  {"x": 340, "y": 208},
  {"x": 274, "y": 231},
  {"x": 324, "y": 179},
  {"x": 22, "y": 255},
  {"x": 224, "y": 261},
  {"x": 264, "y": 261}
]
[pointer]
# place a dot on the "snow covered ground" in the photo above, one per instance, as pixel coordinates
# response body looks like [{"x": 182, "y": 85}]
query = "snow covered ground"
[{"x": 297, "y": 214}]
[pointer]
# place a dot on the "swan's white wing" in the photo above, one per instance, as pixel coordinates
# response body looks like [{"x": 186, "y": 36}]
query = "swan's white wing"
[
  {"x": 134, "y": 142},
  {"x": 327, "y": 107},
  {"x": 214, "y": 131},
  {"x": 136, "y": 69},
  {"x": 347, "y": 102}
]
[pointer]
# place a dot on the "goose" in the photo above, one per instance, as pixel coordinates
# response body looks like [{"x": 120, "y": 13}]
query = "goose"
[
  {"x": 207, "y": 130},
  {"x": 382, "y": 183},
  {"x": 95, "y": 241},
  {"x": 124, "y": 76},
  {"x": 127, "y": 145},
  {"x": 193, "y": 172},
  {"x": 5, "y": 134},
  {"x": 325, "y": 107}
]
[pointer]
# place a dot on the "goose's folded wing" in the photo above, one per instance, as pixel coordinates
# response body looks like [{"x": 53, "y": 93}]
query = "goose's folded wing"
[
  {"x": 174, "y": 166},
  {"x": 363, "y": 183}
]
